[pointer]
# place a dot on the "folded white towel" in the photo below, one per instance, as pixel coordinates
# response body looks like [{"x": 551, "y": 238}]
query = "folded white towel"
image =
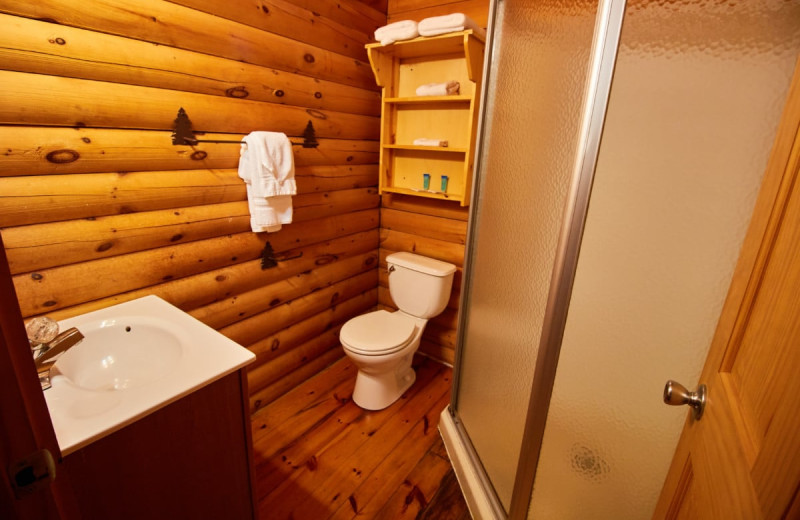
[
  {"x": 397, "y": 31},
  {"x": 269, "y": 213},
  {"x": 448, "y": 23},
  {"x": 266, "y": 165},
  {"x": 430, "y": 142},
  {"x": 448, "y": 88}
]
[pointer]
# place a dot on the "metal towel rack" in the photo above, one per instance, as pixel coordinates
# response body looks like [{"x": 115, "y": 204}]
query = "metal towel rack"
[{"x": 183, "y": 135}]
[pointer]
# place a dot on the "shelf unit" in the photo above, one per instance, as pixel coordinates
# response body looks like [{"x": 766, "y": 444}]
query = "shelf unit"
[{"x": 399, "y": 69}]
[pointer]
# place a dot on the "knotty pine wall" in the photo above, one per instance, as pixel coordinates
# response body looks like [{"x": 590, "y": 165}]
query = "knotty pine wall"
[
  {"x": 417, "y": 10},
  {"x": 429, "y": 227},
  {"x": 97, "y": 207}
]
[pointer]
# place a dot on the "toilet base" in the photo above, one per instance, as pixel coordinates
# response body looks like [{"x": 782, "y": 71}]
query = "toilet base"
[{"x": 378, "y": 391}]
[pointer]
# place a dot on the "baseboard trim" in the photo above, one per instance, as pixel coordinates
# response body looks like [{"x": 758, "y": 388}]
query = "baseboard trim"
[{"x": 481, "y": 500}]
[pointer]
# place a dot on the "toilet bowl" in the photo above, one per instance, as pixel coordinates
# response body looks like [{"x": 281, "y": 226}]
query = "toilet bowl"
[{"x": 382, "y": 344}]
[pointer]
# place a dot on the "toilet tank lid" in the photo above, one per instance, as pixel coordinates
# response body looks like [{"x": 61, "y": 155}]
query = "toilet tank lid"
[{"x": 423, "y": 264}]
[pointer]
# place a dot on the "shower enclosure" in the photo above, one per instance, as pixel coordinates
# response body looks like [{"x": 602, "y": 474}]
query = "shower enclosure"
[{"x": 606, "y": 222}]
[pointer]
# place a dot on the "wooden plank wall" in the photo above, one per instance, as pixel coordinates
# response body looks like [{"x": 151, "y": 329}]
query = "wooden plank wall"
[
  {"x": 416, "y": 10},
  {"x": 429, "y": 227},
  {"x": 97, "y": 206}
]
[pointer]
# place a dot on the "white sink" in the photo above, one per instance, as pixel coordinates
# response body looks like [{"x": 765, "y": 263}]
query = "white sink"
[
  {"x": 121, "y": 353},
  {"x": 136, "y": 357}
]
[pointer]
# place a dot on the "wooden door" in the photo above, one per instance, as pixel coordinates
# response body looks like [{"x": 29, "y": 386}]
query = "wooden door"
[
  {"x": 742, "y": 458},
  {"x": 25, "y": 425}
]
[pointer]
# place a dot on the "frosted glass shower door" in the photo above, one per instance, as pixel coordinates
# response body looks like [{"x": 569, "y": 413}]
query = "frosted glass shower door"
[
  {"x": 697, "y": 95},
  {"x": 528, "y": 145}
]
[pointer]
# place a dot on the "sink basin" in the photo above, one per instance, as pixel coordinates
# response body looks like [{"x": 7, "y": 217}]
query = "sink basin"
[
  {"x": 136, "y": 357},
  {"x": 121, "y": 353}
]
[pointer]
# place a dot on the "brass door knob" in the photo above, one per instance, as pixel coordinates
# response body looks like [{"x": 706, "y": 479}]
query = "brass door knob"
[{"x": 675, "y": 394}]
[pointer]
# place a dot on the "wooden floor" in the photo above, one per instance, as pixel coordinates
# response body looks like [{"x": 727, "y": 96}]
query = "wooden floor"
[{"x": 319, "y": 456}]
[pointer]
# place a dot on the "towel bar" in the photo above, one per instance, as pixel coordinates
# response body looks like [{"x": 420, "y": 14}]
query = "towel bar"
[{"x": 182, "y": 134}]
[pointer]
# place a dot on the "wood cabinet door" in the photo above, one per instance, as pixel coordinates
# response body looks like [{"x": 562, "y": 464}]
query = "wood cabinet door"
[{"x": 742, "y": 458}]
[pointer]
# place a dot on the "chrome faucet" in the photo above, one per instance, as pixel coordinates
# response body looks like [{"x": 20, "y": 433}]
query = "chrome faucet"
[{"x": 47, "y": 344}]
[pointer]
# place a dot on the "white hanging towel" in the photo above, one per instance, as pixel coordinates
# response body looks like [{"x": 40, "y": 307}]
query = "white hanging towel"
[
  {"x": 402, "y": 30},
  {"x": 454, "y": 22},
  {"x": 266, "y": 164}
]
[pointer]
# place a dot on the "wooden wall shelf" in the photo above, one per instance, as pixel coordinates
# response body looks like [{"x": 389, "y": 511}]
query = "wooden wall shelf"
[{"x": 399, "y": 69}]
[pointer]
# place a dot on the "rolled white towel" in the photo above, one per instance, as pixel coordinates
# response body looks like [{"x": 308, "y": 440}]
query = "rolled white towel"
[
  {"x": 448, "y": 88},
  {"x": 436, "y": 25},
  {"x": 397, "y": 31},
  {"x": 430, "y": 142}
]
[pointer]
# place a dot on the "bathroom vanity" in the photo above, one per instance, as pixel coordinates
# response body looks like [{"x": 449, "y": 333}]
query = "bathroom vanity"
[
  {"x": 191, "y": 459},
  {"x": 151, "y": 415}
]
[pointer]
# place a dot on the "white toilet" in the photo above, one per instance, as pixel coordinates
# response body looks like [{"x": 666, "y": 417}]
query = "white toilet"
[{"x": 381, "y": 343}]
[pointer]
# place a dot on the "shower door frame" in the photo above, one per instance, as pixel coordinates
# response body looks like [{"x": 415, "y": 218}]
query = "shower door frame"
[{"x": 608, "y": 27}]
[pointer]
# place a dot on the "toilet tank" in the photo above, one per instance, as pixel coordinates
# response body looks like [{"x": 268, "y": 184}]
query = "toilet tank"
[{"x": 420, "y": 286}]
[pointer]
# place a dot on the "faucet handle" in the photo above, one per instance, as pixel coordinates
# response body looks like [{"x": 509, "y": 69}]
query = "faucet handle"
[{"x": 41, "y": 330}]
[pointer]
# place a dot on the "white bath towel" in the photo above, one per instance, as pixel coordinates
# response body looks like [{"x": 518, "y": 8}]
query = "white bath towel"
[
  {"x": 436, "y": 25},
  {"x": 430, "y": 142},
  {"x": 448, "y": 88},
  {"x": 397, "y": 31},
  {"x": 266, "y": 164}
]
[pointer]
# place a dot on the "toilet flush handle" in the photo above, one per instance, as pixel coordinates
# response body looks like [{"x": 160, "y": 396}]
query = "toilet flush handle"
[{"x": 391, "y": 269}]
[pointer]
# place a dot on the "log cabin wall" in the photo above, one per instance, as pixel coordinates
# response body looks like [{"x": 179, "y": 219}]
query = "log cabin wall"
[
  {"x": 429, "y": 227},
  {"x": 417, "y": 10},
  {"x": 98, "y": 207}
]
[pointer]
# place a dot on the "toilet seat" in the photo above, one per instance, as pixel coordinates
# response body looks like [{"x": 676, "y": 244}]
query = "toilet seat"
[{"x": 377, "y": 333}]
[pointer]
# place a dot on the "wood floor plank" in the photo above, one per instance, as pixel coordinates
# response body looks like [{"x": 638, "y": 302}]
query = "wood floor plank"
[
  {"x": 319, "y": 456},
  {"x": 339, "y": 469},
  {"x": 448, "y": 503},
  {"x": 439, "y": 449},
  {"x": 370, "y": 496},
  {"x": 323, "y": 456},
  {"x": 413, "y": 496},
  {"x": 284, "y": 417},
  {"x": 279, "y": 467},
  {"x": 302, "y": 452}
]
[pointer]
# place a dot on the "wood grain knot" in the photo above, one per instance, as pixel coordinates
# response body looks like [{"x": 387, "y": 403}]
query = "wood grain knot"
[
  {"x": 279, "y": 93},
  {"x": 237, "y": 92},
  {"x": 199, "y": 155},
  {"x": 63, "y": 156},
  {"x": 308, "y": 57},
  {"x": 58, "y": 41},
  {"x": 326, "y": 259},
  {"x": 312, "y": 463},
  {"x": 105, "y": 246},
  {"x": 318, "y": 95},
  {"x": 316, "y": 113},
  {"x": 36, "y": 276}
]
